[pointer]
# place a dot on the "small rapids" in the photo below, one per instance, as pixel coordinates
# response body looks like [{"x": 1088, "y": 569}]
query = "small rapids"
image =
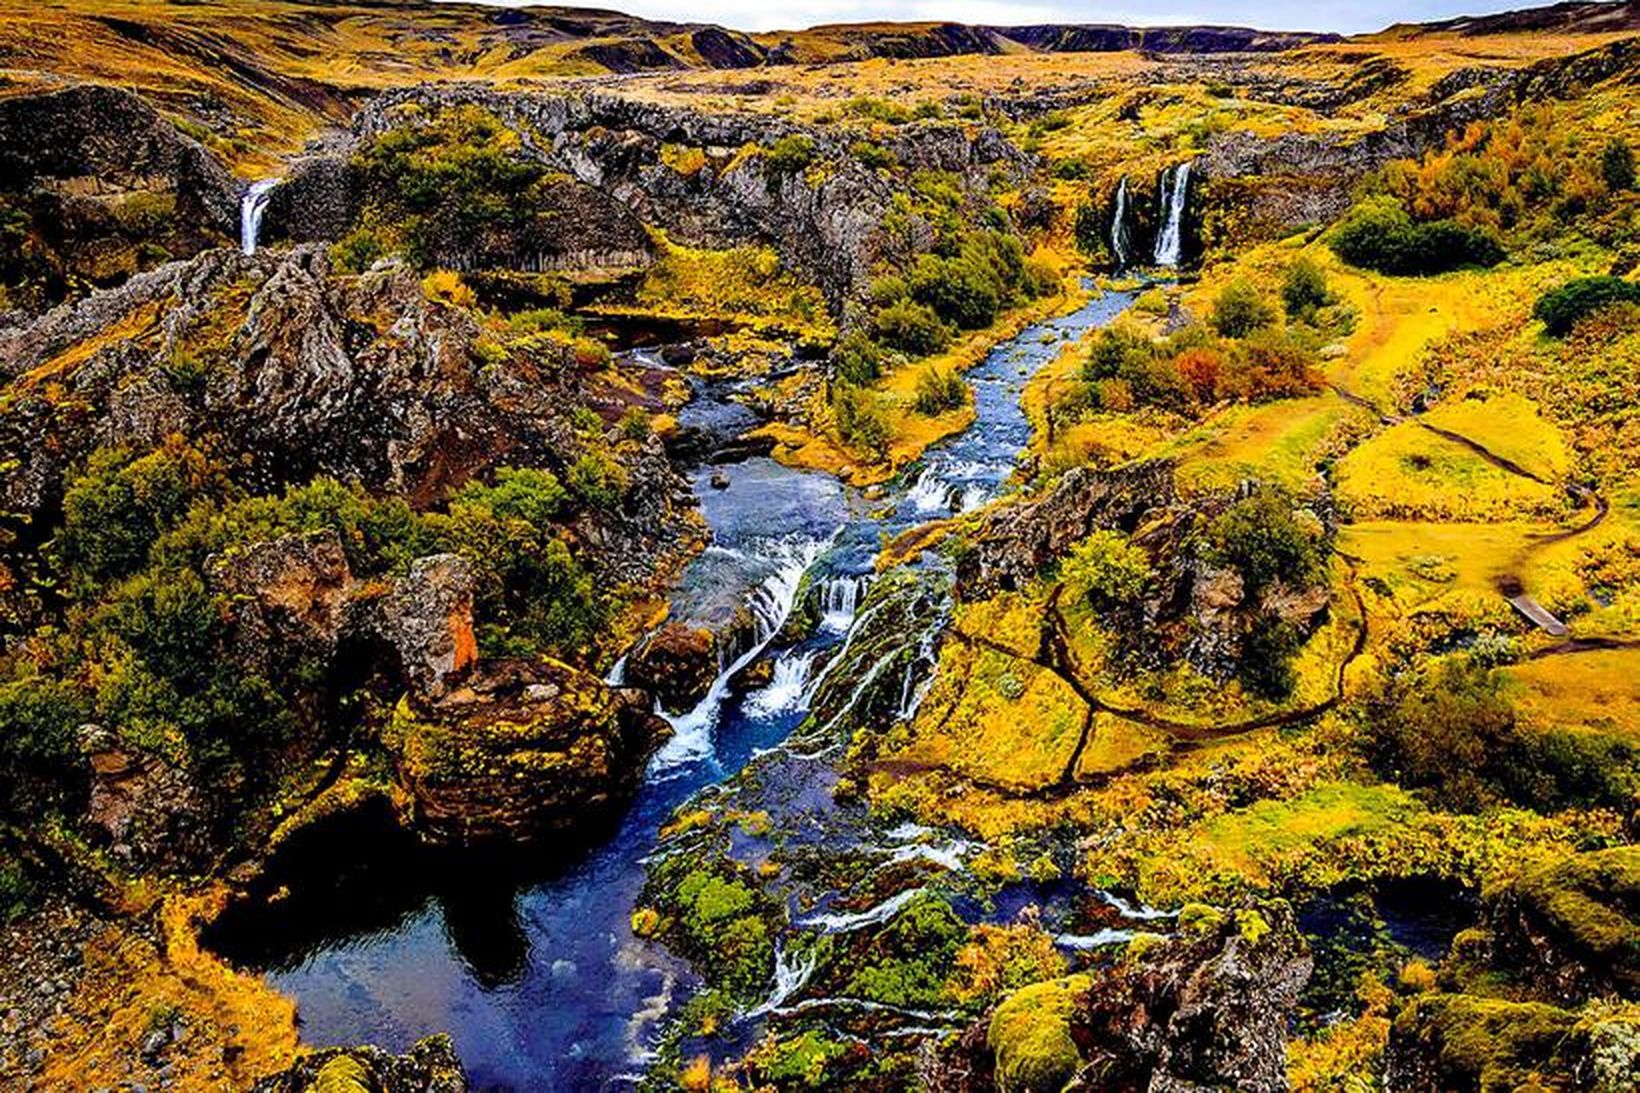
[
  {"x": 788, "y": 690},
  {"x": 771, "y": 605}
]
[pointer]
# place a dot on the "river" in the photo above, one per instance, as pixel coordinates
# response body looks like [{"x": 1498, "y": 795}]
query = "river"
[{"x": 537, "y": 974}]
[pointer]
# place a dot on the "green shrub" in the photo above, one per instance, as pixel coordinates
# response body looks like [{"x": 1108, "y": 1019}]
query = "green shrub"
[
  {"x": 940, "y": 390},
  {"x": 597, "y": 480},
  {"x": 1452, "y": 731},
  {"x": 1240, "y": 308},
  {"x": 910, "y": 327},
  {"x": 856, "y": 358},
  {"x": 1379, "y": 235},
  {"x": 1617, "y": 165},
  {"x": 1561, "y": 308},
  {"x": 117, "y": 508},
  {"x": 1264, "y": 540},
  {"x": 860, "y": 420},
  {"x": 1266, "y": 664},
  {"x": 39, "y": 748},
  {"x": 1304, "y": 290},
  {"x": 789, "y": 155},
  {"x": 873, "y": 155},
  {"x": 1107, "y": 571}
]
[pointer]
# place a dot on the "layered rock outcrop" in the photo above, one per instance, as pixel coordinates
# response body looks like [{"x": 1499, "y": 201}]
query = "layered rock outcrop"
[
  {"x": 298, "y": 371},
  {"x": 108, "y": 186},
  {"x": 825, "y": 223},
  {"x": 521, "y": 750},
  {"x": 1197, "y": 606}
]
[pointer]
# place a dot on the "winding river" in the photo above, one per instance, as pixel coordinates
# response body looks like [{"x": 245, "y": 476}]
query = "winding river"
[{"x": 537, "y": 974}]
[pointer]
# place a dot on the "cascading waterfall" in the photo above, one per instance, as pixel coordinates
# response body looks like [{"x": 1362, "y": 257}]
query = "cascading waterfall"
[
  {"x": 788, "y": 688},
  {"x": 770, "y": 605},
  {"x": 839, "y": 600},
  {"x": 791, "y": 974},
  {"x": 252, "y": 207},
  {"x": 871, "y": 916},
  {"x": 1174, "y": 191},
  {"x": 931, "y": 492},
  {"x": 1121, "y": 238}
]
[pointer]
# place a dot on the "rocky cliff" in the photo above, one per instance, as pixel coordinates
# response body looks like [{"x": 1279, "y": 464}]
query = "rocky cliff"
[{"x": 97, "y": 185}]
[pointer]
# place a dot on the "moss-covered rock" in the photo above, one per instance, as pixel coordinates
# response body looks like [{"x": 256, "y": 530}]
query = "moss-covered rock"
[
  {"x": 1573, "y": 927},
  {"x": 523, "y": 748},
  {"x": 1460, "y": 1041},
  {"x": 1031, "y": 1036},
  {"x": 430, "y": 1066}
]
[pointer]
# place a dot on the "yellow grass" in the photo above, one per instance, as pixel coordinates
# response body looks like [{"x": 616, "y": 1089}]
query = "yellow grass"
[
  {"x": 1407, "y": 472},
  {"x": 1598, "y": 691}
]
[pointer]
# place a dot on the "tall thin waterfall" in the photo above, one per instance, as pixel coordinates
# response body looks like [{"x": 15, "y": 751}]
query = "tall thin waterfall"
[
  {"x": 1175, "y": 190},
  {"x": 251, "y": 209},
  {"x": 1121, "y": 242}
]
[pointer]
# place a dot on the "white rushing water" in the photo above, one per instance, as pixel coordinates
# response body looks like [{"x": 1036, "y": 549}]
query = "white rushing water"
[
  {"x": 1119, "y": 245},
  {"x": 1175, "y": 190},
  {"x": 770, "y": 605},
  {"x": 791, "y": 974},
  {"x": 252, "y": 207},
  {"x": 787, "y": 690},
  {"x": 842, "y": 924},
  {"x": 840, "y": 600}
]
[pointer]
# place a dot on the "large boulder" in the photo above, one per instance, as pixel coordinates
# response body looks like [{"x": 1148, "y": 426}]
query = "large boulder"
[
  {"x": 1014, "y": 543},
  {"x": 521, "y": 750},
  {"x": 1573, "y": 927},
  {"x": 288, "y": 598},
  {"x": 428, "y": 618},
  {"x": 151, "y": 814},
  {"x": 676, "y": 664}
]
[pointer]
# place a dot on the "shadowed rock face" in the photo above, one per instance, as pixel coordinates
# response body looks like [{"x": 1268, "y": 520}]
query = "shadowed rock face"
[
  {"x": 109, "y": 186},
  {"x": 1206, "y": 1009}
]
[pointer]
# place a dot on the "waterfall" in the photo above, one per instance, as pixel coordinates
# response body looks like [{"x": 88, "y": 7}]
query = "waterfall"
[
  {"x": 839, "y": 600},
  {"x": 251, "y": 209},
  {"x": 791, "y": 974},
  {"x": 1173, "y": 194},
  {"x": 787, "y": 691},
  {"x": 770, "y": 605},
  {"x": 842, "y": 924},
  {"x": 1120, "y": 240}
]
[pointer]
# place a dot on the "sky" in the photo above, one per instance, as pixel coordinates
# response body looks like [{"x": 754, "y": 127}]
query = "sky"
[{"x": 1344, "y": 16}]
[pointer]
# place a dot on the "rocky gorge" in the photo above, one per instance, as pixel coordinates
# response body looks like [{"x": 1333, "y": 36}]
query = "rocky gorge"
[{"x": 542, "y": 549}]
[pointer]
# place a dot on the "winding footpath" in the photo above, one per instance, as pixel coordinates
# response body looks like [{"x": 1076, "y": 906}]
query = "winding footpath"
[{"x": 1053, "y": 653}]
